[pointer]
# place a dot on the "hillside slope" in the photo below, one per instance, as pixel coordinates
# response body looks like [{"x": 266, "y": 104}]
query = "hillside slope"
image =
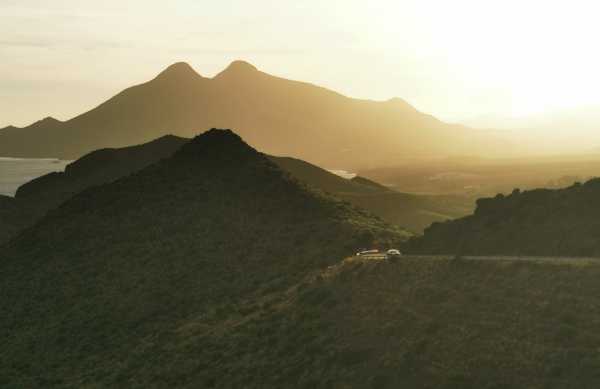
[
  {"x": 279, "y": 116},
  {"x": 131, "y": 265},
  {"x": 414, "y": 212},
  {"x": 560, "y": 222}
]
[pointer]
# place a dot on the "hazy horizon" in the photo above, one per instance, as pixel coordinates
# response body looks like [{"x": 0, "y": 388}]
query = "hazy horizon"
[{"x": 455, "y": 61}]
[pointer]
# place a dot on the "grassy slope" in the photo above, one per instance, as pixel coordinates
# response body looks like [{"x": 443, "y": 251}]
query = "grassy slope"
[
  {"x": 121, "y": 268},
  {"x": 416, "y": 324},
  {"x": 372, "y": 324}
]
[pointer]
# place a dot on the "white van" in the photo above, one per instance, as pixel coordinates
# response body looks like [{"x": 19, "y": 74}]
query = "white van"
[{"x": 393, "y": 254}]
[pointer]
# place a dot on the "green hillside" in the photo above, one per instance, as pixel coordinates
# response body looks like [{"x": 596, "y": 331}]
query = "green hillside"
[
  {"x": 560, "y": 222},
  {"x": 124, "y": 267}
]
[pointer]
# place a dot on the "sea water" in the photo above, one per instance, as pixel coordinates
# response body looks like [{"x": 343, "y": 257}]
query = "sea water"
[{"x": 14, "y": 172}]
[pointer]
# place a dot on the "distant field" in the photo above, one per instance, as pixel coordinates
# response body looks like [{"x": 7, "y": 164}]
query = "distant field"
[{"x": 479, "y": 177}]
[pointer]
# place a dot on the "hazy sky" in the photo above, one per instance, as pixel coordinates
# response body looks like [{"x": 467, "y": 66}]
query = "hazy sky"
[{"x": 455, "y": 59}]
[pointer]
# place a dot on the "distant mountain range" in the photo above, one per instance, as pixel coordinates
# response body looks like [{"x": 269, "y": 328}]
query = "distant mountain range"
[
  {"x": 549, "y": 222},
  {"x": 278, "y": 116}
]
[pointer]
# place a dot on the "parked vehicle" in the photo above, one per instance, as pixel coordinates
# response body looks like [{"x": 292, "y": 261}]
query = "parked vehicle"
[
  {"x": 367, "y": 252},
  {"x": 393, "y": 254}
]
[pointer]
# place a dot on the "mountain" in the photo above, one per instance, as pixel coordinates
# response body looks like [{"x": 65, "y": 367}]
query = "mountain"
[
  {"x": 213, "y": 231},
  {"x": 279, "y": 116},
  {"x": 549, "y": 222},
  {"x": 35, "y": 198}
]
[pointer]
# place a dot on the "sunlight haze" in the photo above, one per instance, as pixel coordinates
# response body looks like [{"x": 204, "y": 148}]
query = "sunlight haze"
[{"x": 458, "y": 60}]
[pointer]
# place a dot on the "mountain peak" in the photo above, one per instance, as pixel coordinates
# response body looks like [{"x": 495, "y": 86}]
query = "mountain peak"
[
  {"x": 45, "y": 122},
  {"x": 238, "y": 68},
  {"x": 218, "y": 145},
  {"x": 178, "y": 71},
  {"x": 401, "y": 103}
]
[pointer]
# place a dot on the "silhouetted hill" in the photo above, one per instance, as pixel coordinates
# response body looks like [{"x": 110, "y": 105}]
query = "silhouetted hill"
[
  {"x": 121, "y": 268},
  {"x": 279, "y": 116},
  {"x": 562, "y": 222},
  {"x": 40, "y": 195},
  {"x": 47, "y": 192},
  {"x": 323, "y": 179},
  {"x": 95, "y": 168}
]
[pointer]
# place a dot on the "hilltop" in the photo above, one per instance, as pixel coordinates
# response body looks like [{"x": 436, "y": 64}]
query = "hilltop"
[
  {"x": 279, "y": 116},
  {"x": 550, "y": 222},
  {"x": 122, "y": 267}
]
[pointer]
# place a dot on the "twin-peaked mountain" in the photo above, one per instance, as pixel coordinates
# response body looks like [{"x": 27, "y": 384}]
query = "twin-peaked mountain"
[{"x": 276, "y": 115}]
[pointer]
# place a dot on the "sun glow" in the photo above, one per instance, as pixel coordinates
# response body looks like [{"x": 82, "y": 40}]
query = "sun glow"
[{"x": 539, "y": 55}]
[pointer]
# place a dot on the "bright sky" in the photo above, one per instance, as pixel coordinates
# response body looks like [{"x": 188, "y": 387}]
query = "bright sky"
[{"x": 454, "y": 59}]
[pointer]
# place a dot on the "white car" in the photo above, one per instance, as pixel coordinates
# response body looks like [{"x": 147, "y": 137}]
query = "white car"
[
  {"x": 367, "y": 252},
  {"x": 393, "y": 254}
]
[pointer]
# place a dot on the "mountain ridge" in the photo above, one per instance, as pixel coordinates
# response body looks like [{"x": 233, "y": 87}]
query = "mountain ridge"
[{"x": 280, "y": 116}]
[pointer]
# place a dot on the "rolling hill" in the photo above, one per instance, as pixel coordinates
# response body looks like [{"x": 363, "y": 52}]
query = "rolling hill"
[
  {"x": 279, "y": 116},
  {"x": 550, "y": 222},
  {"x": 122, "y": 267}
]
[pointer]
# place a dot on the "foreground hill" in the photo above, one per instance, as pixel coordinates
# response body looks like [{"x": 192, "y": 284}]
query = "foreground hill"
[
  {"x": 123, "y": 267},
  {"x": 279, "y": 116},
  {"x": 560, "y": 222}
]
